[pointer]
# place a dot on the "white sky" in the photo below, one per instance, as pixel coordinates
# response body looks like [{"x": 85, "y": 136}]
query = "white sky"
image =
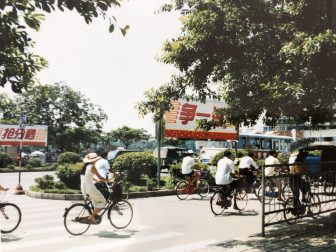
[{"x": 111, "y": 70}]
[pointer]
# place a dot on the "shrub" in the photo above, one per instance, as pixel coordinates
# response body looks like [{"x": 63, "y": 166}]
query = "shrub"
[
  {"x": 60, "y": 185},
  {"x": 33, "y": 162},
  {"x": 45, "y": 182},
  {"x": 4, "y": 160},
  {"x": 69, "y": 158},
  {"x": 69, "y": 174},
  {"x": 135, "y": 164},
  {"x": 214, "y": 160}
]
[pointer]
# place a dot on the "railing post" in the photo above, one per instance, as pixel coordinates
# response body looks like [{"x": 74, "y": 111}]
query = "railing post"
[{"x": 263, "y": 201}]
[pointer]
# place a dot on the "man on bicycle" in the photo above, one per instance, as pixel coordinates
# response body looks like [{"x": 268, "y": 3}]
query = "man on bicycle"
[
  {"x": 187, "y": 164},
  {"x": 247, "y": 164},
  {"x": 225, "y": 170}
]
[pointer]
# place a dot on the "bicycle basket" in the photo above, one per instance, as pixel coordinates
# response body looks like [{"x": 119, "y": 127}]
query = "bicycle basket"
[
  {"x": 116, "y": 191},
  {"x": 204, "y": 174}
]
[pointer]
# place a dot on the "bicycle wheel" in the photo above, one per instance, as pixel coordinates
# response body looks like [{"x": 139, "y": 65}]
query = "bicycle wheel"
[
  {"x": 314, "y": 204},
  {"x": 241, "y": 199},
  {"x": 269, "y": 193},
  {"x": 290, "y": 211},
  {"x": 72, "y": 218},
  {"x": 120, "y": 214},
  {"x": 286, "y": 192},
  {"x": 329, "y": 186},
  {"x": 10, "y": 217},
  {"x": 182, "y": 190},
  {"x": 216, "y": 208},
  {"x": 125, "y": 192},
  {"x": 203, "y": 188}
]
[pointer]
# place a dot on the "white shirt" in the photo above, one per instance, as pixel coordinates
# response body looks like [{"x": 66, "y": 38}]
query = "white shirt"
[
  {"x": 103, "y": 167},
  {"x": 246, "y": 162},
  {"x": 224, "y": 169},
  {"x": 270, "y": 160},
  {"x": 187, "y": 164}
]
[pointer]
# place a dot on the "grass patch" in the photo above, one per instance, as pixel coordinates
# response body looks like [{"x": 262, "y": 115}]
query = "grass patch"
[{"x": 60, "y": 191}]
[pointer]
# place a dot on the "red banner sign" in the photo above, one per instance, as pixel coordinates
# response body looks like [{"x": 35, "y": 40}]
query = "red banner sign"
[
  {"x": 180, "y": 122},
  {"x": 29, "y": 136}
]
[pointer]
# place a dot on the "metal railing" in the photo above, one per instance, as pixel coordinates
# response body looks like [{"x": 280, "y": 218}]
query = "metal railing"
[{"x": 288, "y": 197}]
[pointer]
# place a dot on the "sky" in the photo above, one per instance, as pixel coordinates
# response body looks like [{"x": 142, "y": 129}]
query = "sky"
[{"x": 111, "y": 70}]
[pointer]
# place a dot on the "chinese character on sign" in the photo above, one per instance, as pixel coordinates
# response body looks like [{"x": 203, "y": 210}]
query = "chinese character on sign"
[
  {"x": 188, "y": 113},
  {"x": 9, "y": 133},
  {"x": 30, "y": 134}
]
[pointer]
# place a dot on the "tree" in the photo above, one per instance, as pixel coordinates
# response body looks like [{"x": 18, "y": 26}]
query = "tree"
[
  {"x": 18, "y": 65},
  {"x": 260, "y": 55},
  {"x": 128, "y": 135},
  {"x": 61, "y": 109}
]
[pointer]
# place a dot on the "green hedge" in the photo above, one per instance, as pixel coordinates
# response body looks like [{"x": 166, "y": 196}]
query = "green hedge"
[
  {"x": 5, "y": 160},
  {"x": 135, "y": 164},
  {"x": 69, "y": 158},
  {"x": 69, "y": 174}
]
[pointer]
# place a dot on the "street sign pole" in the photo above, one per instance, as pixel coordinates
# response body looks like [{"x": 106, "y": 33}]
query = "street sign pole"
[{"x": 22, "y": 124}]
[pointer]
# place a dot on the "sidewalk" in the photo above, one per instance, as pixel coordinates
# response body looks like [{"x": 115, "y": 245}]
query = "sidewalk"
[{"x": 308, "y": 235}]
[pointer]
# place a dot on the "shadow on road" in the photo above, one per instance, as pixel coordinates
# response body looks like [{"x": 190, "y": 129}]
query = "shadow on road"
[{"x": 309, "y": 235}]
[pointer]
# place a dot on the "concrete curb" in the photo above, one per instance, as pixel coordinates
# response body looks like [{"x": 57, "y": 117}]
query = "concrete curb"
[{"x": 58, "y": 196}]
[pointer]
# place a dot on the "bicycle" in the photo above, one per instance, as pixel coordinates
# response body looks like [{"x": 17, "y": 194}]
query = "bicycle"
[
  {"x": 184, "y": 188},
  {"x": 222, "y": 198},
  {"x": 119, "y": 213},
  {"x": 272, "y": 191},
  {"x": 10, "y": 217},
  {"x": 294, "y": 208}
]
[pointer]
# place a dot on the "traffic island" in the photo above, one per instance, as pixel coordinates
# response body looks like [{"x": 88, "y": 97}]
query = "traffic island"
[{"x": 132, "y": 195}]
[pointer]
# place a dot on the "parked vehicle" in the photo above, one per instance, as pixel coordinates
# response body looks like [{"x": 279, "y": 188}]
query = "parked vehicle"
[
  {"x": 319, "y": 157},
  {"x": 170, "y": 155},
  {"x": 116, "y": 153},
  {"x": 208, "y": 152}
]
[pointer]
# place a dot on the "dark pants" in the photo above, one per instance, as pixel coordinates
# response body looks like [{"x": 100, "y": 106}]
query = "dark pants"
[
  {"x": 102, "y": 187},
  {"x": 298, "y": 184},
  {"x": 249, "y": 177}
]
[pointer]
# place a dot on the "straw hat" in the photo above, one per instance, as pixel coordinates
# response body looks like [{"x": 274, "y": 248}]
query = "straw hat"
[{"x": 91, "y": 157}]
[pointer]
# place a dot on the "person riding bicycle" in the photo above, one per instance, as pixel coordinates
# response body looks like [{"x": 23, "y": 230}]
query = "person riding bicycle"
[
  {"x": 103, "y": 168},
  {"x": 97, "y": 198},
  {"x": 247, "y": 164},
  {"x": 186, "y": 168},
  {"x": 225, "y": 172},
  {"x": 273, "y": 170}
]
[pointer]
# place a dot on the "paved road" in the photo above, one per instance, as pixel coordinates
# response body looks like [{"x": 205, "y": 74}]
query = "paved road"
[{"x": 159, "y": 224}]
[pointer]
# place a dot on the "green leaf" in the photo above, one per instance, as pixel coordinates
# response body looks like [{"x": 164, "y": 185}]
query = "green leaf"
[
  {"x": 111, "y": 28},
  {"x": 124, "y": 30}
]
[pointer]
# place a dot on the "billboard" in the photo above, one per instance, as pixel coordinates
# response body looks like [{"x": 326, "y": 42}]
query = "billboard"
[
  {"x": 30, "y": 135},
  {"x": 180, "y": 122}
]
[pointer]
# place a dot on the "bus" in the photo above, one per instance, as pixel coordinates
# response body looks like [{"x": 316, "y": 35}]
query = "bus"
[{"x": 261, "y": 144}]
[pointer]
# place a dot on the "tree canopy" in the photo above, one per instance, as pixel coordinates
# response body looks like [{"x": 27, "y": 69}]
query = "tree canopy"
[
  {"x": 61, "y": 109},
  {"x": 18, "y": 64},
  {"x": 128, "y": 135},
  {"x": 260, "y": 55}
]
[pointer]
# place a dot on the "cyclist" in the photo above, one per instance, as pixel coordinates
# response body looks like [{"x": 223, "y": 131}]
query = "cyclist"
[
  {"x": 272, "y": 170},
  {"x": 103, "y": 168},
  {"x": 247, "y": 164},
  {"x": 224, "y": 173},
  {"x": 187, "y": 164},
  {"x": 97, "y": 198}
]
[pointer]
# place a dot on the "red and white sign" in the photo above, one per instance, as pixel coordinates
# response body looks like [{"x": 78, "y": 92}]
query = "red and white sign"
[
  {"x": 180, "y": 122},
  {"x": 30, "y": 135}
]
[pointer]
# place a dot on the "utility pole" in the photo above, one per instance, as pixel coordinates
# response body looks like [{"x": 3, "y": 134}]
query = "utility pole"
[{"x": 22, "y": 124}]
